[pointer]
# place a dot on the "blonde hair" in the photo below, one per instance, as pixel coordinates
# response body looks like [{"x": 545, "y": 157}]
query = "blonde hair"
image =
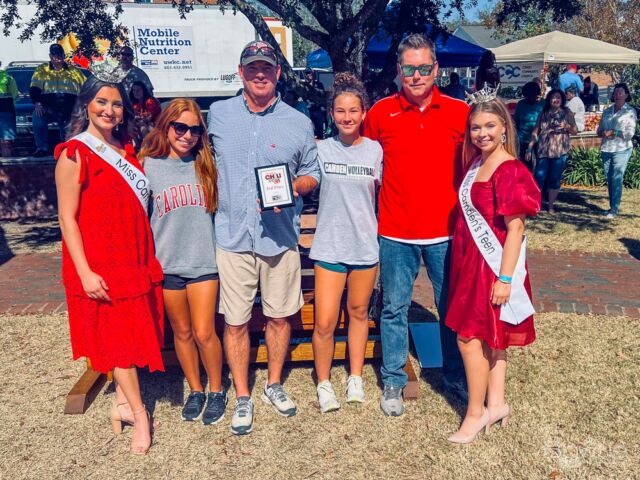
[
  {"x": 499, "y": 109},
  {"x": 156, "y": 145}
]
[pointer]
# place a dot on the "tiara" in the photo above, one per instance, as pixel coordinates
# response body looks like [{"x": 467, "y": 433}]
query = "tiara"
[
  {"x": 108, "y": 71},
  {"x": 485, "y": 95}
]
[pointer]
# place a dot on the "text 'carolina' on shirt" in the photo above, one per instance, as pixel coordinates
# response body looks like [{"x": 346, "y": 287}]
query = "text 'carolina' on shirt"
[
  {"x": 243, "y": 140},
  {"x": 183, "y": 230}
]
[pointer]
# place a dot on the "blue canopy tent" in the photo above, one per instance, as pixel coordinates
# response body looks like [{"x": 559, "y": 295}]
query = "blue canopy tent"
[{"x": 451, "y": 52}]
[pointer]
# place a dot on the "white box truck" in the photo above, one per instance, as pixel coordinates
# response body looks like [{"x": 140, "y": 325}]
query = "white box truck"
[{"x": 193, "y": 57}]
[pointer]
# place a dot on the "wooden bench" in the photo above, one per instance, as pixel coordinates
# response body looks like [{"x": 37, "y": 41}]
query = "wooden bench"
[{"x": 91, "y": 382}]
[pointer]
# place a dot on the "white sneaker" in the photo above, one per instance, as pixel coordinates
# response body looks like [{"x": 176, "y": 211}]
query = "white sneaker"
[
  {"x": 242, "y": 420},
  {"x": 276, "y": 396},
  {"x": 327, "y": 397},
  {"x": 355, "y": 389}
]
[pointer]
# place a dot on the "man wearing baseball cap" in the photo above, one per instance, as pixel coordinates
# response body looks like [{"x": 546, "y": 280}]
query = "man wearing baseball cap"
[
  {"x": 571, "y": 79},
  {"x": 259, "y": 248},
  {"x": 54, "y": 88}
]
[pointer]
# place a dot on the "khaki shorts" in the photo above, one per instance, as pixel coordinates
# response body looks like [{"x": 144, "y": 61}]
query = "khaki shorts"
[{"x": 242, "y": 273}]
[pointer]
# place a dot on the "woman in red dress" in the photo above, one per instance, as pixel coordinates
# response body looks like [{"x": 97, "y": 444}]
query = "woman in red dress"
[
  {"x": 503, "y": 194},
  {"x": 111, "y": 276}
]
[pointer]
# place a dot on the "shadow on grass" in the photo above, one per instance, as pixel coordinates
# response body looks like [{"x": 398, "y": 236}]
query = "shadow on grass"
[
  {"x": 37, "y": 235},
  {"x": 5, "y": 251},
  {"x": 575, "y": 207},
  {"x": 633, "y": 246}
]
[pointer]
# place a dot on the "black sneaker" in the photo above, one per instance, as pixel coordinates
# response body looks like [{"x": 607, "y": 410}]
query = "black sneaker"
[
  {"x": 40, "y": 154},
  {"x": 214, "y": 411},
  {"x": 194, "y": 406}
]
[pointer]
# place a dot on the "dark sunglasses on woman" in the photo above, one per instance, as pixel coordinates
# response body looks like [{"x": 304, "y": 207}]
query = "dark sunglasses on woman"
[{"x": 182, "y": 128}]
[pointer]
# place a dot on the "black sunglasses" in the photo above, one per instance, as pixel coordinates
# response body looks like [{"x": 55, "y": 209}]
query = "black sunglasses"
[
  {"x": 182, "y": 129},
  {"x": 410, "y": 70}
]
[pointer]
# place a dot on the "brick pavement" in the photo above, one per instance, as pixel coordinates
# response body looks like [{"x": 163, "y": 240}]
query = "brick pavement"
[{"x": 562, "y": 282}]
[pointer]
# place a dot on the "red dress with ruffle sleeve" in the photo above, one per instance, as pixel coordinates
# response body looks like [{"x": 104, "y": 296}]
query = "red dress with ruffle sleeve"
[
  {"x": 118, "y": 244},
  {"x": 511, "y": 190}
]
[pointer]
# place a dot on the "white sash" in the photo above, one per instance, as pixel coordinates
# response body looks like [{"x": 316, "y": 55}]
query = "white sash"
[
  {"x": 518, "y": 308},
  {"x": 136, "y": 180}
]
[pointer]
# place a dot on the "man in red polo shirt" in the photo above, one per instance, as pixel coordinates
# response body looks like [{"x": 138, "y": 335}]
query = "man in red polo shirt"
[{"x": 421, "y": 132}]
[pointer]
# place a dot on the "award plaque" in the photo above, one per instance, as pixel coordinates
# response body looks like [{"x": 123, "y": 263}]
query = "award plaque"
[{"x": 274, "y": 186}]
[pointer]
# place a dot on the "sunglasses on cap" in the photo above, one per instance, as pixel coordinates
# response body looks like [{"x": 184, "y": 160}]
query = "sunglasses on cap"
[
  {"x": 410, "y": 70},
  {"x": 182, "y": 129},
  {"x": 259, "y": 50}
]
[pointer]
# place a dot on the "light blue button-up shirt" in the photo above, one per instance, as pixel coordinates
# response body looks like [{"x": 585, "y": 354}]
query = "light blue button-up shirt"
[{"x": 243, "y": 140}]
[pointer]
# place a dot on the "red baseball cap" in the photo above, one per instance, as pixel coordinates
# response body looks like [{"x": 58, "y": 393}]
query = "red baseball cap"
[{"x": 573, "y": 66}]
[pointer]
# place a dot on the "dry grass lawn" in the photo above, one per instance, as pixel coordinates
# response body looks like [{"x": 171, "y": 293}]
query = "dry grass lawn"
[
  {"x": 574, "y": 393},
  {"x": 579, "y": 225}
]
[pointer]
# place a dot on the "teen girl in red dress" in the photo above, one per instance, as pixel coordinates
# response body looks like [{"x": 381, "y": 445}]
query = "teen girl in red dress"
[{"x": 489, "y": 293}]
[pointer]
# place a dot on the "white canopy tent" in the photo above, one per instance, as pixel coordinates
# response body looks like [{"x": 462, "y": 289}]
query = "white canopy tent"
[{"x": 560, "y": 47}]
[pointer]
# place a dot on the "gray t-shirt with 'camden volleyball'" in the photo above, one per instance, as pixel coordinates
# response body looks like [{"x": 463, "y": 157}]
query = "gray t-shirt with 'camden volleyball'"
[
  {"x": 183, "y": 230},
  {"x": 346, "y": 226}
]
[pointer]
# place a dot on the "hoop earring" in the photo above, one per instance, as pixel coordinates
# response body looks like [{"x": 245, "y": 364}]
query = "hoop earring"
[{"x": 503, "y": 138}]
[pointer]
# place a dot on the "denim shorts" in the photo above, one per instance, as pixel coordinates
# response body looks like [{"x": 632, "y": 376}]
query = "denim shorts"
[
  {"x": 176, "y": 282},
  {"x": 7, "y": 126},
  {"x": 343, "y": 267}
]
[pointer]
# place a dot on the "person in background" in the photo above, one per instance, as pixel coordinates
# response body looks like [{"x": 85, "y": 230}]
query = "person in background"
[
  {"x": 134, "y": 73},
  {"x": 345, "y": 244},
  {"x": 497, "y": 194},
  {"x": 590, "y": 96},
  {"x": 292, "y": 99},
  {"x": 570, "y": 78},
  {"x": 8, "y": 95},
  {"x": 455, "y": 88},
  {"x": 552, "y": 136},
  {"x": 316, "y": 102},
  {"x": 574, "y": 103},
  {"x": 54, "y": 90},
  {"x": 487, "y": 72},
  {"x": 182, "y": 177},
  {"x": 526, "y": 115},
  {"x": 421, "y": 132},
  {"x": 146, "y": 108},
  {"x": 617, "y": 128}
]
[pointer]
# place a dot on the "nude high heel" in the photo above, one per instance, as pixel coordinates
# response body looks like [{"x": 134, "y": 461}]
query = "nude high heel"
[
  {"x": 117, "y": 421},
  {"x": 464, "y": 439},
  {"x": 502, "y": 416},
  {"x": 142, "y": 447}
]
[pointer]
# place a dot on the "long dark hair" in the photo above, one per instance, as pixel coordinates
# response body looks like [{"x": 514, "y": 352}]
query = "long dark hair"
[
  {"x": 79, "y": 120},
  {"x": 145, "y": 92},
  {"x": 547, "y": 100}
]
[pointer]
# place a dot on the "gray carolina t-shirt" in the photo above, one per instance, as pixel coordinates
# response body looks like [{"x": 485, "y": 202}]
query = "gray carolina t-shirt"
[
  {"x": 346, "y": 226},
  {"x": 182, "y": 228}
]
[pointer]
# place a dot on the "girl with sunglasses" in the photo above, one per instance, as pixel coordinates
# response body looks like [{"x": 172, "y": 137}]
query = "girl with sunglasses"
[
  {"x": 345, "y": 245},
  {"x": 181, "y": 170}
]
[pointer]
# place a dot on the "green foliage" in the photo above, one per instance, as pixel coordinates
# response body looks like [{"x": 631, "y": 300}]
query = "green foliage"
[
  {"x": 584, "y": 168},
  {"x": 632, "y": 174}
]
